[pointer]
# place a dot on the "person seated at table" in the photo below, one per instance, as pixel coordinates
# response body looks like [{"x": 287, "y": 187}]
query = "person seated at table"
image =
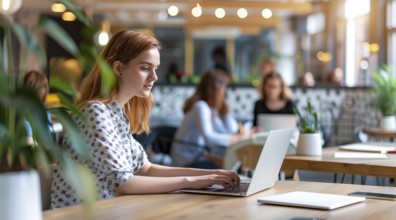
[
  {"x": 119, "y": 163},
  {"x": 207, "y": 122},
  {"x": 38, "y": 82},
  {"x": 275, "y": 97}
]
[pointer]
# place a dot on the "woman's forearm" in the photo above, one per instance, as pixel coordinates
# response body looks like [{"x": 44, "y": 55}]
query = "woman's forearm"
[
  {"x": 165, "y": 171},
  {"x": 149, "y": 184}
]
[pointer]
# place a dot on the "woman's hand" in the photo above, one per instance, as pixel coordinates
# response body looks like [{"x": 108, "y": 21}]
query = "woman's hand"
[{"x": 221, "y": 177}]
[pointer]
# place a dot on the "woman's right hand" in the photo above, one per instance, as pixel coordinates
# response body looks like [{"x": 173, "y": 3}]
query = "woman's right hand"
[{"x": 199, "y": 182}]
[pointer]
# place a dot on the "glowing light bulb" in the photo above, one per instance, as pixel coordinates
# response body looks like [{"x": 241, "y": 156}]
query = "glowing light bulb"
[{"x": 266, "y": 13}]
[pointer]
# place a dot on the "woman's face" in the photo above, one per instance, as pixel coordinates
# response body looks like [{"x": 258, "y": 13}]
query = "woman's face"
[
  {"x": 139, "y": 74},
  {"x": 273, "y": 89}
]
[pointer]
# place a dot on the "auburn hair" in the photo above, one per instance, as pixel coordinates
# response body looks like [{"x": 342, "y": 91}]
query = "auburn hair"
[
  {"x": 36, "y": 80},
  {"x": 123, "y": 46},
  {"x": 285, "y": 93},
  {"x": 208, "y": 90}
]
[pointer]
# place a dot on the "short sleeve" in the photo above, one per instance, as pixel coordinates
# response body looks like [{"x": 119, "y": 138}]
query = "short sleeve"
[{"x": 110, "y": 159}]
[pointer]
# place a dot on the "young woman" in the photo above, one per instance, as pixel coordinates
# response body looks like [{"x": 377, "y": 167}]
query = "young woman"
[
  {"x": 207, "y": 122},
  {"x": 275, "y": 97},
  {"x": 119, "y": 162}
]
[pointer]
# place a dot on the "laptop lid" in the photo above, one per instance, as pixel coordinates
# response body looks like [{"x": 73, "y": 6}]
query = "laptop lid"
[
  {"x": 267, "y": 168},
  {"x": 270, "y": 161},
  {"x": 267, "y": 122},
  {"x": 311, "y": 200}
]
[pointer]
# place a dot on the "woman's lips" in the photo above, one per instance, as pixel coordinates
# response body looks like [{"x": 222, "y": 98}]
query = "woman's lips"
[{"x": 148, "y": 86}]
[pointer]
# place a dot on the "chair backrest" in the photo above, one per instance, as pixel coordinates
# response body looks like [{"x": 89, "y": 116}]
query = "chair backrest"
[
  {"x": 249, "y": 155},
  {"x": 163, "y": 139}
]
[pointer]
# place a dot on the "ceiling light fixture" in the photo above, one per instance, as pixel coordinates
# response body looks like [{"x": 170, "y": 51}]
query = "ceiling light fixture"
[
  {"x": 68, "y": 16},
  {"x": 58, "y": 7},
  {"x": 9, "y": 7},
  {"x": 220, "y": 13},
  {"x": 197, "y": 11},
  {"x": 173, "y": 10},
  {"x": 266, "y": 13},
  {"x": 242, "y": 13}
]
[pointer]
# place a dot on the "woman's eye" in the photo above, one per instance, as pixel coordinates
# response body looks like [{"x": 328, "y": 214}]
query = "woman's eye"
[{"x": 144, "y": 68}]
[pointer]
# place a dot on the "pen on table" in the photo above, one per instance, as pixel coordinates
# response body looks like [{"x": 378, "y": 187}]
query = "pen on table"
[{"x": 391, "y": 152}]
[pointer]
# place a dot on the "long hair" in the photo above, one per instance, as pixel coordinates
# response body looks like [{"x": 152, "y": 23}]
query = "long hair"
[
  {"x": 123, "y": 46},
  {"x": 208, "y": 90},
  {"x": 285, "y": 93},
  {"x": 37, "y": 81}
]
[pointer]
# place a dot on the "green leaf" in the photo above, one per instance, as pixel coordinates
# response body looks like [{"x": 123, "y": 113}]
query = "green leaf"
[
  {"x": 77, "y": 142},
  {"x": 108, "y": 77},
  {"x": 69, "y": 105},
  {"x": 63, "y": 86},
  {"x": 58, "y": 34},
  {"x": 72, "y": 7},
  {"x": 81, "y": 181},
  {"x": 30, "y": 42}
]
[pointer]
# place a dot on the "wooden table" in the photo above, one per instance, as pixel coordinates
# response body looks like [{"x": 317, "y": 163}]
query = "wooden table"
[
  {"x": 380, "y": 134},
  {"x": 327, "y": 163},
  {"x": 194, "y": 206}
]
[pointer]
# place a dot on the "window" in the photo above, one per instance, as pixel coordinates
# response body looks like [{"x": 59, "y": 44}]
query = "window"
[{"x": 391, "y": 31}]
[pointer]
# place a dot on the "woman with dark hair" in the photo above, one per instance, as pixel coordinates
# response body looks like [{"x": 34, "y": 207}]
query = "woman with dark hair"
[
  {"x": 207, "y": 123},
  {"x": 119, "y": 163},
  {"x": 275, "y": 97}
]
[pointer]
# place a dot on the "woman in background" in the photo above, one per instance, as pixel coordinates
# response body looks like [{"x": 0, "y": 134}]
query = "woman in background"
[
  {"x": 207, "y": 123},
  {"x": 275, "y": 97},
  {"x": 119, "y": 163},
  {"x": 38, "y": 82}
]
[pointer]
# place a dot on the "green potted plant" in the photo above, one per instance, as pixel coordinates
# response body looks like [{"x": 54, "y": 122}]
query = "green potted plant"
[
  {"x": 384, "y": 96},
  {"x": 309, "y": 140},
  {"x": 19, "y": 159}
]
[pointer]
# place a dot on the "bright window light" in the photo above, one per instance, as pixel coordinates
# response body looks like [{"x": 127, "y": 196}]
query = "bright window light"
[{"x": 356, "y": 8}]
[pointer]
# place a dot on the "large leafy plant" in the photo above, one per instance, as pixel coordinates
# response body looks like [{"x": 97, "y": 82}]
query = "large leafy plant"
[
  {"x": 309, "y": 122},
  {"x": 18, "y": 104},
  {"x": 384, "y": 91}
]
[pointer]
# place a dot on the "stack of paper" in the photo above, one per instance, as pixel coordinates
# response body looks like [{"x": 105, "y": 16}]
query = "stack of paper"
[{"x": 367, "y": 148}]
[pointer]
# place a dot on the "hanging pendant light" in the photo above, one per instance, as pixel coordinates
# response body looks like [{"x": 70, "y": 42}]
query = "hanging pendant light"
[{"x": 9, "y": 7}]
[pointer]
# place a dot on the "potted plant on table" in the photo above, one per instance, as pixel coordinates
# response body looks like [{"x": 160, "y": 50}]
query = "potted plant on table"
[
  {"x": 19, "y": 158},
  {"x": 309, "y": 141},
  {"x": 384, "y": 97}
]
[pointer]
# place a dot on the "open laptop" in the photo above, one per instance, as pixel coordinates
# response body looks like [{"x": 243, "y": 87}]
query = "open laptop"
[
  {"x": 267, "y": 122},
  {"x": 267, "y": 168}
]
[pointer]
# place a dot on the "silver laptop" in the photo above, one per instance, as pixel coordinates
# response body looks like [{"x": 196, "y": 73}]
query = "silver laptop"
[
  {"x": 267, "y": 168},
  {"x": 311, "y": 200},
  {"x": 267, "y": 122}
]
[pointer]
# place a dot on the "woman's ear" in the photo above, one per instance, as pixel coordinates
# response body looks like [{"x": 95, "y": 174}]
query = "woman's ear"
[{"x": 117, "y": 68}]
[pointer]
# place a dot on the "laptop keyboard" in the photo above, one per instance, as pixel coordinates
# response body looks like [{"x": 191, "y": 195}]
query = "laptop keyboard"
[{"x": 242, "y": 187}]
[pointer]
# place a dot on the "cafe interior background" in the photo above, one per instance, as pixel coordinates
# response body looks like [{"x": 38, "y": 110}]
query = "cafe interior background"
[{"x": 299, "y": 36}]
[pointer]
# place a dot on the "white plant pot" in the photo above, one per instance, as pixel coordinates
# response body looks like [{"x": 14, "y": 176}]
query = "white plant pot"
[
  {"x": 309, "y": 144},
  {"x": 20, "y": 196},
  {"x": 388, "y": 123}
]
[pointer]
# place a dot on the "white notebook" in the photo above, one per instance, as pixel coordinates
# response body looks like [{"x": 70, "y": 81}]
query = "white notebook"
[
  {"x": 367, "y": 148},
  {"x": 311, "y": 200}
]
